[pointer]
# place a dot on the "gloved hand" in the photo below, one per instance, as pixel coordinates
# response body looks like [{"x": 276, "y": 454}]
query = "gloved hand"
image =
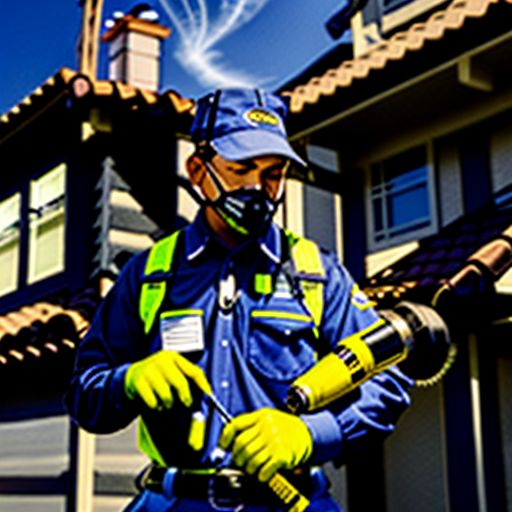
[
  {"x": 266, "y": 441},
  {"x": 159, "y": 376}
]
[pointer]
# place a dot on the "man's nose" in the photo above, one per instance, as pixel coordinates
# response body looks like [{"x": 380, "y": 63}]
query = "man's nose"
[{"x": 255, "y": 179}]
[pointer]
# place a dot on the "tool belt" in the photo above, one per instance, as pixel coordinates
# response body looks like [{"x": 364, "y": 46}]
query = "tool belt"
[{"x": 222, "y": 487}]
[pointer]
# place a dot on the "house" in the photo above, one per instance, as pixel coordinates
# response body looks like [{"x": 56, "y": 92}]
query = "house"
[
  {"x": 416, "y": 113},
  {"x": 413, "y": 138},
  {"x": 80, "y": 160}
]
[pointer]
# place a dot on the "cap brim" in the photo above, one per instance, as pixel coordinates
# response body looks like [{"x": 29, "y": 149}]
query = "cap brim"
[{"x": 246, "y": 144}]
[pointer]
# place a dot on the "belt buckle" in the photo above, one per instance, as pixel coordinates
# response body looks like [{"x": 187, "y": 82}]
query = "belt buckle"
[{"x": 226, "y": 480}]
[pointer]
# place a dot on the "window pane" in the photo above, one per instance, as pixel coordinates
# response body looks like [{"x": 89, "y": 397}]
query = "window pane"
[
  {"x": 404, "y": 162},
  {"x": 47, "y": 246},
  {"x": 47, "y": 225},
  {"x": 377, "y": 214},
  {"x": 9, "y": 258},
  {"x": 49, "y": 187},
  {"x": 9, "y": 212},
  {"x": 408, "y": 206},
  {"x": 407, "y": 179},
  {"x": 400, "y": 195},
  {"x": 9, "y": 243}
]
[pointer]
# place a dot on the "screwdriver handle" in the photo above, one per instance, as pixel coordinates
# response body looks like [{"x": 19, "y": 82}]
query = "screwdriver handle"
[
  {"x": 288, "y": 494},
  {"x": 279, "y": 485}
]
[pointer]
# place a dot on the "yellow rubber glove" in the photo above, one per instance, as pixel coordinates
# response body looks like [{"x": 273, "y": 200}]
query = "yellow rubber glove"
[
  {"x": 160, "y": 376},
  {"x": 267, "y": 440}
]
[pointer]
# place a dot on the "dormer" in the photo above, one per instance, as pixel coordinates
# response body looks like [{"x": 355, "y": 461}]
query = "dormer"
[{"x": 380, "y": 19}]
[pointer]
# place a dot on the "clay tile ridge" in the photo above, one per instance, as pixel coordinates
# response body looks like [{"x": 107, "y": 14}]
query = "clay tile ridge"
[{"x": 395, "y": 48}]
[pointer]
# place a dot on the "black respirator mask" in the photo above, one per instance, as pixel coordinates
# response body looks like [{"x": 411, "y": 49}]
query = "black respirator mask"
[{"x": 247, "y": 210}]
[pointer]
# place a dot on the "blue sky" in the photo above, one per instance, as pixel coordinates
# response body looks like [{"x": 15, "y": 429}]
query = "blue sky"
[{"x": 269, "y": 41}]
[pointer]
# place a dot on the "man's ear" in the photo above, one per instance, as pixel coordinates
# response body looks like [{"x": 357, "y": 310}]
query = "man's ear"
[{"x": 196, "y": 169}]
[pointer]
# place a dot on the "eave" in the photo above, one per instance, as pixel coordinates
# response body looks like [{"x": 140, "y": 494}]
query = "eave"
[{"x": 424, "y": 60}]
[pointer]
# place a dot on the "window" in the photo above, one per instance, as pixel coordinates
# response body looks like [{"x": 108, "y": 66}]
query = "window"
[
  {"x": 389, "y": 5},
  {"x": 47, "y": 224},
  {"x": 401, "y": 202},
  {"x": 9, "y": 243}
]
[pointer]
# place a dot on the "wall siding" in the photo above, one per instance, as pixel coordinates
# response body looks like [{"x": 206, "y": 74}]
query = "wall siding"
[
  {"x": 504, "y": 370},
  {"x": 414, "y": 457},
  {"x": 116, "y": 463},
  {"x": 450, "y": 184},
  {"x": 319, "y": 211},
  {"x": 501, "y": 157},
  {"x": 33, "y": 452}
]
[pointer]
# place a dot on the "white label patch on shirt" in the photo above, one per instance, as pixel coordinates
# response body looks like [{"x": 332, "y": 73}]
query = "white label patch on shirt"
[{"x": 182, "y": 333}]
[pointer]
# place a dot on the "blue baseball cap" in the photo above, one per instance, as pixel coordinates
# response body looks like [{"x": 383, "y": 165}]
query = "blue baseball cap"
[{"x": 243, "y": 123}]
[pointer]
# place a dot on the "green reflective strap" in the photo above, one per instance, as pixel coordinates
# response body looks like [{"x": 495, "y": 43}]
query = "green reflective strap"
[
  {"x": 151, "y": 297},
  {"x": 146, "y": 444},
  {"x": 152, "y": 294},
  {"x": 308, "y": 261},
  {"x": 263, "y": 284}
]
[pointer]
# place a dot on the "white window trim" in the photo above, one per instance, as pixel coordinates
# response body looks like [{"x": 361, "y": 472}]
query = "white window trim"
[{"x": 417, "y": 234}]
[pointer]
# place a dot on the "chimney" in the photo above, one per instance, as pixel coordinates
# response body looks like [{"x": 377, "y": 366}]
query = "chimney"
[{"x": 135, "y": 41}]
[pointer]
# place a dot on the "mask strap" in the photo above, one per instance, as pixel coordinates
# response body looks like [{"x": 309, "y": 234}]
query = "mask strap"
[
  {"x": 212, "y": 116},
  {"x": 280, "y": 193},
  {"x": 216, "y": 180},
  {"x": 259, "y": 97},
  {"x": 195, "y": 192}
]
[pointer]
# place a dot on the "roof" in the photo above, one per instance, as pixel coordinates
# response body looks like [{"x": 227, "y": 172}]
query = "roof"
[
  {"x": 439, "y": 257},
  {"x": 414, "y": 39},
  {"x": 130, "y": 23},
  {"x": 69, "y": 83},
  {"x": 122, "y": 227},
  {"x": 36, "y": 332}
]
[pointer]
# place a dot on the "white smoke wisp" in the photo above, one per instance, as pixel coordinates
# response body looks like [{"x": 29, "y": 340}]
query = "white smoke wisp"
[{"x": 200, "y": 30}]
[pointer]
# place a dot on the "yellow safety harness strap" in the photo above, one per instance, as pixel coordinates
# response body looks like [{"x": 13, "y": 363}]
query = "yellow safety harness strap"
[
  {"x": 151, "y": 297},
  {"x": 309, "y": 270},
  {"x": 153, "y": 293}
]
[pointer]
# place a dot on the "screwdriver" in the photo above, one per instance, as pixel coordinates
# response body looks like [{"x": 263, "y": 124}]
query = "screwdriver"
[{"x": 280, "y": 486}]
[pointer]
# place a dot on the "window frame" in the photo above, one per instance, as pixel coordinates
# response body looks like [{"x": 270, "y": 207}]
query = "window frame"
[
  {"x": 398, "y": 13},
  {"x": 16, "y": 234},
  {"x": 414, "y": 234},
  {"x": 42, "y": 214}
]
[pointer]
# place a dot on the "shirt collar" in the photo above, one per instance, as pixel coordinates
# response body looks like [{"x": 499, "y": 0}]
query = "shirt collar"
[
  {"x": 270, "y": 243},
  {"x": 198, "y": 234}
]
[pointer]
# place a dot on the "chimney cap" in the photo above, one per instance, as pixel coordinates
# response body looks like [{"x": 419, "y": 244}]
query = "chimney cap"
[{"x": 130, "y": 23}]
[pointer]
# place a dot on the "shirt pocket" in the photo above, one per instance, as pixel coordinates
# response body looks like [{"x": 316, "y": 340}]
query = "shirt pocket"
[{"x": 281, "y": 344}]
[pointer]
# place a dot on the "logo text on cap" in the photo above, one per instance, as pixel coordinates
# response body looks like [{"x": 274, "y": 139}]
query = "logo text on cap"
[{"x": 260, "y": 116}]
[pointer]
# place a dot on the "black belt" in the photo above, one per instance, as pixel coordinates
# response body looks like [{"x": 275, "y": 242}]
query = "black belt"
[{"x": 224, "y": 487}]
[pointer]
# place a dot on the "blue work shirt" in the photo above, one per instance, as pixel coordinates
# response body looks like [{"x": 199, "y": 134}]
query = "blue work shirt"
[{"x": 250, "y": 353}]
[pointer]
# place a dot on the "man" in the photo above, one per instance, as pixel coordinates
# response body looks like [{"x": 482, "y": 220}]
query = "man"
[{"x": 221, "y": 308}]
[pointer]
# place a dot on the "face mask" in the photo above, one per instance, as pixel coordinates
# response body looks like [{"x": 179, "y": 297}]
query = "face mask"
[{"x": 247, "y": 210}]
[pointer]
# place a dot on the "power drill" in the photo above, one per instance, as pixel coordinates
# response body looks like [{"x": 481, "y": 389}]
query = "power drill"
[{"x": 414, "y": 336}]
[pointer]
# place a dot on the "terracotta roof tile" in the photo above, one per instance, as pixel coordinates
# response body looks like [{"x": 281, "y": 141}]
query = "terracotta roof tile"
[
  {"x": 393, "y": 49},
  {"x": 44, "y": 328},
  {"x": 66, "y": 81},
  {"x": 483, "y": 236}
]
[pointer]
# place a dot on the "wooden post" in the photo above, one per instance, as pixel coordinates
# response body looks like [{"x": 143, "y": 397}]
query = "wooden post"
[
  {"x": 91, "y": 21},
  {"x": 81, "y": 470}
]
